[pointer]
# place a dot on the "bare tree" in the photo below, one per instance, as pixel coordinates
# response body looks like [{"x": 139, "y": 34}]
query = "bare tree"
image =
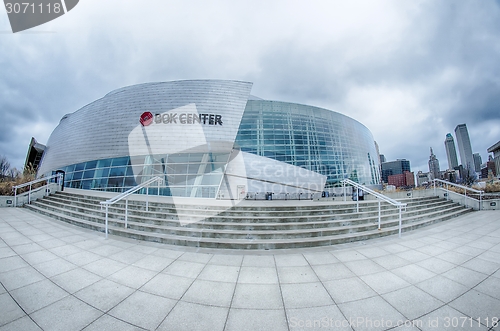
[{"x": 4, "y": 167}]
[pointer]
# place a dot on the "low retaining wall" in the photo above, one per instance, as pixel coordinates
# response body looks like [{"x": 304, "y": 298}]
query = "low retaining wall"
[{"x": 8, "y": 201}]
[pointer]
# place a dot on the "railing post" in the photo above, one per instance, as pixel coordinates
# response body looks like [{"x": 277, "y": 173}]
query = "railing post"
[
  {"x": 15, "y": 197},
  {"x": 400, "y": 221},
  {"x": 147, "y": 198},
  {"x": 434, "y": 187},
  {"x": 158, "y": 187},
  {"x": 29, "y": 196},
  {"x": 106, "y": 225},
  {"x": 480, "y": 199},
  {"x": 465, "y": 197},
  {"x": 447, "y": 192},
  {"x": 343, "y": 185},
  {"x": 126, "y": 212},
  {"x": 357, "y": 200},
  {"x": 379, "y": 214}
]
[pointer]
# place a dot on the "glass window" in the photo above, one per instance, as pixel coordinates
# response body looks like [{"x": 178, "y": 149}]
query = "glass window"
[
  {"x": 80, "y": 166},
  {"x": 121, "y": 161},
  {"x": 91, "y": 165},
  {"x": 104, "y": 163}
]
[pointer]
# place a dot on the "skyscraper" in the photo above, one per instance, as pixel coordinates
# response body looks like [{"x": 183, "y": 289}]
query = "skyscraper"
[
  {"x": 434, "y": 166},
  {"x": 477, "y": 162},
  {"x": 464, "y": 147},
  {"x": 451, "y": 152},
  {"x": 397, "y": 167}
]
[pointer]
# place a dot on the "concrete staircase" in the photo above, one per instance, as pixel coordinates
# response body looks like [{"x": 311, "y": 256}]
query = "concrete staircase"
[{"x": 261, "y": 225}]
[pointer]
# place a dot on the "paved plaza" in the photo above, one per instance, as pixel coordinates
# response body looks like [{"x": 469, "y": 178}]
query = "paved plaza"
[{"x": 56, "y": 276}]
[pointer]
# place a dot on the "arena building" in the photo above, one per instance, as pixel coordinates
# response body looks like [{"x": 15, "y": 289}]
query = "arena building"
[{"x": 211, "y": 139}]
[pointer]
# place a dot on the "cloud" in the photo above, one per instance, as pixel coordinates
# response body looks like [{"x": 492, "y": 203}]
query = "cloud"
[{"x": 409, "y": 71}]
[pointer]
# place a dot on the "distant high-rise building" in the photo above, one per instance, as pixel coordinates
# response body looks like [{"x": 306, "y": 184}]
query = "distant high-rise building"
[
  {"x": 434, "y": 166},
  {"x": 382, "y": 158},
  {"x": 464, "y": 146},
  {"x": 397, "y": 167},
  {"x": 451, "y": 152},
  {"x": 477, "y": 162}
]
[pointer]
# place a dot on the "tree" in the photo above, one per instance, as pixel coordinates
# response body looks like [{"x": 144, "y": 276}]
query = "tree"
[{"x": 4, "y": 167}]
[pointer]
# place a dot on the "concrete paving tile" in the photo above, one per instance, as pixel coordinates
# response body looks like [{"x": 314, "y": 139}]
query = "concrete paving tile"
[
  {"x": 109, "y": 323},
  {"x": 194, "y": 317},
  {"x": 305, "y": 295},
  {"x": 257, "y": 296},
  {"x": 104, "y": 294},
  {"x": 390, "y": 261},
  {"x": 65, "y": 250},
  {"x": 446, "y": 244},
  {"x": 454, "y": 257},
  {"x": 371, "y": 314},
  {"x": 143, "y": 309},
  {"x": 490, "y": 256},
  {"x": 290, "y": 260},
  {"x": 447, "y": 318},
  {"x": 168, "y": 286},
  {"x": 413, "y": 244},
  {"x": 348, "y": 255},
  {"x": 332, "y": 271},
  {"x": 12, "y": 263},
  {"x": 24, "y": 323},
  {"x": 258, "y": 275},
  {"x": 490, "y": 286},
  {"x": 76, "y": 279},
  {"x": 67, "y": 314},
  {"x": 373, "y": 252},
  {"x": 10, "y": 310},
  {"x": 38, "y": 295},
  {"x": 196, "y": 257},
  {"x": 318, "y": 258},
  {"x": 442, "y": 288},
  {"x": 349, "y": 289},
  {"x": 6, "y": 252},
  {"x": 168, "y": 253},
  {"x": 34, "y": 258},
  {"x": 210, "y": 293},
  {"x": 483, "y": 266},
  {"x": 54, "y": 267},
  {"x": 436, "y": 265},
  {"x": 83, "y": 258},
  {"x": 73, "y": 238},
  {"x": 394, "y": 248},
  {"x": 481, "y": 244},
  {"x": 143, "y": 248},
  {"x": 88, "y": 244},
  {"x": 256, "y": 320},
  {"x": 467, "y": 250},
  {"x": 476, "y": 304},
  {"x": 184, "y": 269},
  {"x": 226, "y": 260},
  {"x": 52, "y": 243},
  {"x": 405, "y": 301},
  {"x": 465, "y": 276},
  {"x": 317, "y": 318},
  {"x": 258, "y": 261},
  {"x": 27, "y": 248},
  {"x": 2, "y": 289},
  {"x": 384, "y": 282},
  {"x": 413, "y": 256},
  {"x": 153, "y": 263},
  {"x": 363, "y": 267},
  {"x": 132, "y": 276},
  {"x": 20, "y": 277},
  {"x": 432, "y": 250},
  {"x": 16, "y": 241},
  {"x": 127, "y": 256},
  {"x": 105, "y": 250},
  {"x": 292, "y": 275},
  {"x": 104, "y": 267},
  {"x": 413, "y": 273},
  {"x": 219, "y": 273}
]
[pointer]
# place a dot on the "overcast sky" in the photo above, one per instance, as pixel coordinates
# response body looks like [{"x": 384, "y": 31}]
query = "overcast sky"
[{"x": 408, "y": 70}]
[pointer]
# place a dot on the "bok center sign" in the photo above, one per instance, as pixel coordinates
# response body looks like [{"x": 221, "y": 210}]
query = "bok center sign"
[{"x": 147, "y": 118}]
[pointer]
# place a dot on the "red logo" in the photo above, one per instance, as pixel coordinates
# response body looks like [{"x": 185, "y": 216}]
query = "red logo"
[{"x": 146, "y": 118}]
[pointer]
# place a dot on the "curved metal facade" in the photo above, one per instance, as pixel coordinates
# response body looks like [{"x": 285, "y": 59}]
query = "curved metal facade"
[{"x": 208, "y": 138}]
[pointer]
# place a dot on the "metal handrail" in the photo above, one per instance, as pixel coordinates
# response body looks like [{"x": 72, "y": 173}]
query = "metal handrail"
[
  {"x": 379, "y": 196},
  {"x": 125, "y": 196},
  {"x": 465, "y": 188},
  {"x": 30, "y": 184}
]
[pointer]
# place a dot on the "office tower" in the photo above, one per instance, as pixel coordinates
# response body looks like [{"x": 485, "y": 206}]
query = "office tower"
[
  {"x": 382, "y": 158},
  {"x": 434, "y": 166},
  {"x": 451, "y": 152},
  {"x": 477, "y": 162},
  {"x": 464, "y": 146},
  {"x": 397, "y": 167}
]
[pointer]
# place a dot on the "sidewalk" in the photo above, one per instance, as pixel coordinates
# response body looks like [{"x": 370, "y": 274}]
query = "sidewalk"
[{"x": 56, "y": 276}]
